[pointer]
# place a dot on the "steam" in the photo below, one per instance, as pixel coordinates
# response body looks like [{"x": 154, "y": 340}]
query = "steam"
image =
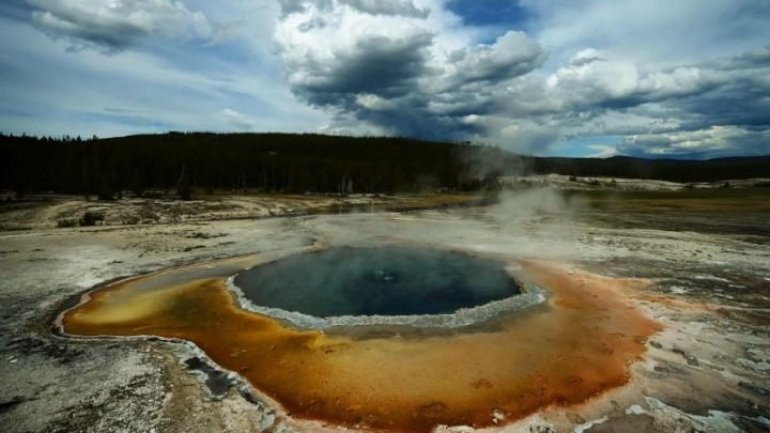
[
  {"x": 541, "y": 221},
  {"x": 529, "y": 219},
  {"x": 488, "y": 162},
  {"x": 538, "y": 204},
  {"x": 536, "y": 222}
]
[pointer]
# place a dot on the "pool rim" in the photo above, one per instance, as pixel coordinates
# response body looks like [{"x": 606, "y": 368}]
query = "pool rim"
[{"x": 529, "y": 296}]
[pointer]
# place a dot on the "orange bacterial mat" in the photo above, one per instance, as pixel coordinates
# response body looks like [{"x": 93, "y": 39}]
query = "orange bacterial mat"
[{"x": 575, "y": 346}]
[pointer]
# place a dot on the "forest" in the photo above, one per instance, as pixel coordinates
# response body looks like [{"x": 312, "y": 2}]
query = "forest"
[{"x": 307, "y": 163}]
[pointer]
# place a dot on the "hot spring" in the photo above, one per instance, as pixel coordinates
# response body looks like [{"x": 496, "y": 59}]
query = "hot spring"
[
  {"x": 309, "y": 331},
  {"x": 389, "y": 281}
]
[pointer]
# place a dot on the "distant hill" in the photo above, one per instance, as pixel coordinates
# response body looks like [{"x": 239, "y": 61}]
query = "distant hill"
[
  {"x": 298, "y": 163},
  {"x": 660, "y": 169}
]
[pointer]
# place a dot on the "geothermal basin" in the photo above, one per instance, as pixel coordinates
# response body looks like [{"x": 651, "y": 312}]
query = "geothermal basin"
[
  {"x": 387, "y": 338},
  {"x": 390, "y": 285}
]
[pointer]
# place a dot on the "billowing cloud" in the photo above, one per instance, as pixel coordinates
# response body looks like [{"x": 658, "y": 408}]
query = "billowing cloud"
[
  {"x": 388, "y": 7},
  {"x": 391, "y": 71},
  {"x": 644, "y": 77},
  {"x": 404, "y": 8},
  {"x": 396, "y": 72},
  {"x": 712, "y": 108},
  {"x": 373, "y": 65},
  {"x": 512, "y": 55},
  {"x": 709, "y": 142},
  {"x": 114, "y": 25}
]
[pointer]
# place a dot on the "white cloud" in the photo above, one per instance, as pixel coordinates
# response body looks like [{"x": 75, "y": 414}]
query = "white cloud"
[
  {"x": 427, "y": 75},
  {"x": 601, "y": 151},
  {"x": 671, "y": 77},
  {"x": 713, "y": 141},
  {"x": 651, "y": 31},
  {"x": 586, "y": 82},
  {"x": 388, "y": 7},
  {"x": 113, "y": 25},
  {"x": 53, "y": 92},
  {"x": 239, "y": 120},
  {"x": 513, "y": 54},
  {"x": 373, "y": 102},
  {"x": 407, "y": 74}
]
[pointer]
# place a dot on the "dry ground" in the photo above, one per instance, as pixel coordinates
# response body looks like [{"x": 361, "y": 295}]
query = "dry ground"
[
  {"x": 51, "y": 211},
  {"x": 706, "y": 256}
]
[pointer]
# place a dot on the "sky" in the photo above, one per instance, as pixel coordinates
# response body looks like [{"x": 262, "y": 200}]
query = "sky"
[{"x": 646, "y": 78}]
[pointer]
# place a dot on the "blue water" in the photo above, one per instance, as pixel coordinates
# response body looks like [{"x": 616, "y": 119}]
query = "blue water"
[{"x": 376, "y": 281}]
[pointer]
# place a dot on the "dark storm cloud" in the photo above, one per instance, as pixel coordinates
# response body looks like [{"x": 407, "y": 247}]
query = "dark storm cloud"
[
  {"x": 705, "y": 109},
  {"x": 392, "y": 80},
  {"x": 727, "y": 114},
  {"x": 508, "y": 91},
  {"x": 733, "y": 93},
  {"x": 374, "y": 65},
  {"x": 742, "y": 102},
  {"x": 759, "y": 58},
  {"x": 741, "y": 95}
]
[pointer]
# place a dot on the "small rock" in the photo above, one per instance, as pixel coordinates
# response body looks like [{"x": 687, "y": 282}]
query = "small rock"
[
  {"x": 498, "y": 416},
  {"x": 635, "y": 409},
  {"x": 691, "y": 360}
]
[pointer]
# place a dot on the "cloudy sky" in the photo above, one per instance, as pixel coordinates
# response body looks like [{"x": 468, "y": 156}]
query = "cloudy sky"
[{"x": 653, "y": 78}]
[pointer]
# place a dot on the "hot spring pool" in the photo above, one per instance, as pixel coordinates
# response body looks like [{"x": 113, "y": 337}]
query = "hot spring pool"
[
  {"x": 382, "y": 281},
  {"x": 265, "y": 318}
]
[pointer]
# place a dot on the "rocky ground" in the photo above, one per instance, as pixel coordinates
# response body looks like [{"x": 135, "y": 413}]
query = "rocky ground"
[
  {"x": 45, "y": 211},
  {"x": 708, "y": 267}
]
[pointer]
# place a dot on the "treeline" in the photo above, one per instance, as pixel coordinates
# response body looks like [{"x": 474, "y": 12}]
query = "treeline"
[
  {"x": 290, "y": 163},
  {"x": 300, "y": 163},
  {"x": 661, "y": 169}
]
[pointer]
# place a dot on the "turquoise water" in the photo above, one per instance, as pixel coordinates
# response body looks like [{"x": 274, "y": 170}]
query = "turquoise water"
[{"x": 377, "y": 281}]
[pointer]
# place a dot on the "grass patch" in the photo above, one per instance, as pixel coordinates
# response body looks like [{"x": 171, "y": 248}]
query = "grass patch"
[{"x": 755, "y": 200}]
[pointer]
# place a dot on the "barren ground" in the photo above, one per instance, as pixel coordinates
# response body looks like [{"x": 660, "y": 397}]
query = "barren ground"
[{"x": 703, "y": 256}]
